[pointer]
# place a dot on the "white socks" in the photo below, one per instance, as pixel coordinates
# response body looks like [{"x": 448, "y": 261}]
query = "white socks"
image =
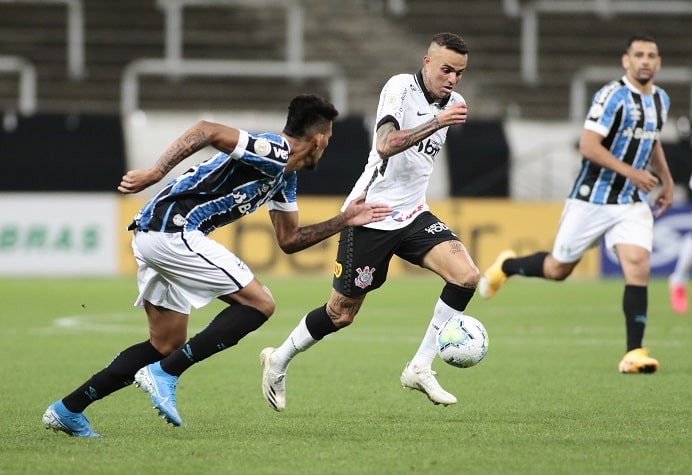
[
  {"x": 298, "y": 341},
  {"x": 428, "y": 348}
]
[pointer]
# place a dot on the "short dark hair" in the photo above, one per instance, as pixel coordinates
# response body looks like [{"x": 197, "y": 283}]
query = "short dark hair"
[
  {"x": 451, "y": 41},
  {"x": 638, "y": 37},
  {"x": 307, "y": 111}
]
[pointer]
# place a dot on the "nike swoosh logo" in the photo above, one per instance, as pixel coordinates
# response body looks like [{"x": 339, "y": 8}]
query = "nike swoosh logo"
[{"x": 422, "y": 113}]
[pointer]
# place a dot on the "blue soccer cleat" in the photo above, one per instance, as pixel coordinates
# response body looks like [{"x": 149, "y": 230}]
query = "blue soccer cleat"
[
  {"x": 58, "y": 418},
  {"x": 161, "y": 387}
]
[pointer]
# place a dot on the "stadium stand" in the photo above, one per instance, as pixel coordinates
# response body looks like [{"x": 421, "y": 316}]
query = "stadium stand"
[{"x": 366, "y": 42}]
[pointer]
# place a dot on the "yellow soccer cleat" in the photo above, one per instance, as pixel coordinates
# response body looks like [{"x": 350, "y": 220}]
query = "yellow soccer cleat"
[
  {"x": 638, "y": 361},
  {"x": 493, "y": 278}
]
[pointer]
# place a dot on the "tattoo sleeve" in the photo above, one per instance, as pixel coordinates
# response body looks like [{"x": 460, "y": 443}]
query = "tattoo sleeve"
[
  {"x": 391, "y": 141},
  {"x": 182, "y": 148},
  {"x": 310, "y": 235}
]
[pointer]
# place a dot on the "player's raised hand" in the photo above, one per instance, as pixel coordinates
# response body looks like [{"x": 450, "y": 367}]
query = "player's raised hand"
[
  {"x": 358, "y": 212},
  {"x": 454, "y": 114}
]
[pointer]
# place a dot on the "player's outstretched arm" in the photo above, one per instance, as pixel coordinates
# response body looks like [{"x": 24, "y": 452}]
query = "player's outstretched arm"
[
  {"x": 293, "y": 238},
  {"x": 194, "y": 139}
]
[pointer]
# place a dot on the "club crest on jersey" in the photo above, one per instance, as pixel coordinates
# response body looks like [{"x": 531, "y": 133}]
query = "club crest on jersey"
[
  {"x": 364, "y": 278},
  {"x": 262, "y": 147},
  {"x": 337, "y": 269}
]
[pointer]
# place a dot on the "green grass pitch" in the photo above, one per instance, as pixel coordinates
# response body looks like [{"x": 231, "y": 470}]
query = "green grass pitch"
[{"x": 547, "y": 399}]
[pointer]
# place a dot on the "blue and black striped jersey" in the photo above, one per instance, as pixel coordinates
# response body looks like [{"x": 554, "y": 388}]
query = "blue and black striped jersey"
[
  {"x": 630, "y": 123},
  {"x": 224, "y": 188}
]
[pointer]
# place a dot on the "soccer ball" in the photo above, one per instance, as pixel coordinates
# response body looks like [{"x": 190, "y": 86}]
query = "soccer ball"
[{"x": 462, "y": 341}]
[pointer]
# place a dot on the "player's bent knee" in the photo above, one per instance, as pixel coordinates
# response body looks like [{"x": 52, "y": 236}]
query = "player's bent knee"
[
  {"x": 267, "y": 307},
  {"x": 343, "y": 320},
  {"x": 341, "y": 317},
  {"x": 166, "y": 346}
]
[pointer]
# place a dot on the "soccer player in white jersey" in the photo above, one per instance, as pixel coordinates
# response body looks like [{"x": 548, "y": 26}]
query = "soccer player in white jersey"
[
  {"x": 620, "y": 143},
  {"x": 678, "y": 279},
  {"x": 180, "y": 267},
  {"x": 413, "y": 116}
]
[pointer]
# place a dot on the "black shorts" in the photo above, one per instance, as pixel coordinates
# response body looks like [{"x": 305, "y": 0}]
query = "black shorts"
[{"x": 364, "y": 254}]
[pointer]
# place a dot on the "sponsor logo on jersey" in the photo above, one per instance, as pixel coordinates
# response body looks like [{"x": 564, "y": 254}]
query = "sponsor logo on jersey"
[
  {"x": 399, "y": 217},
  {"x": 281, "y": 153},
  {"x": 429, "y": 147},
  {"x": 337, "y": 269},
  {"x": 438, "y": 227},
  {"x": 262, "y": 147},
  {"x": 239, "y": 196},
  {"x": 641, "y": 134},
  {"x": 364, "y": 278}
]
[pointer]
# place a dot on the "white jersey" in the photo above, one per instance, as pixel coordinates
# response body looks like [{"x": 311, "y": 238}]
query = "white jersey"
[{"x": 401, "y": 180}]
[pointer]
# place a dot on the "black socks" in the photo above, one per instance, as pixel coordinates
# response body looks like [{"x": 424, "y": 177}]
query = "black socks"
[
  {"x": 528, "y": 266},
  {"x": 635, "y": 303},
  {"x": 224, "y": 331},
  {"x": 117, "y": 375}
]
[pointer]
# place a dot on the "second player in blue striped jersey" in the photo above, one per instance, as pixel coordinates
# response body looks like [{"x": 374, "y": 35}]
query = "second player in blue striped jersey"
[
  {"x": 630, "y": 123},
  {"x": 623, "y": 163}
]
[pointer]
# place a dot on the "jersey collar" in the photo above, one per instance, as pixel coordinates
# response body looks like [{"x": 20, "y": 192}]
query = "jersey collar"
[{"x": 428, "y": 97}]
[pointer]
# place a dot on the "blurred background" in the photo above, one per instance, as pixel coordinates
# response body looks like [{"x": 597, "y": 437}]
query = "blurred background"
[{"x": 91, "y": 88}]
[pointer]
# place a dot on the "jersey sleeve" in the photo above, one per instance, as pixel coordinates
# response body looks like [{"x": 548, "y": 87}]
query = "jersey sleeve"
[
  {"x": 604, "y": 108},
  {"x": 286, "y": 199},
  {"x": 265, "y": 152},
  {"x": 392, "y": 101}
]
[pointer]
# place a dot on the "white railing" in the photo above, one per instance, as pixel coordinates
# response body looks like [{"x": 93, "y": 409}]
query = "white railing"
[
  {"x": 529, "y": 11},
  {"x": 173, "y": 65},
  {"x": 27, "y": 81},
  {"x": 173, "y": 11},
  {"x": 75, "y": 34},
  {"x": 586, "y": 75},
  {"x": 229, "y": 68}
]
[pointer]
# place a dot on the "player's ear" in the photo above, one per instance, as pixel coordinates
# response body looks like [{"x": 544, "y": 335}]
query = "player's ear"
[{"x": 317, "y": 140}]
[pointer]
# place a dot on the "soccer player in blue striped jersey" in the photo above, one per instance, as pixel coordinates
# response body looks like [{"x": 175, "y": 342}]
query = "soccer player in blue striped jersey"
[
  {"x": 623, "y": 161},
  {"x": 180, "y": 267}
]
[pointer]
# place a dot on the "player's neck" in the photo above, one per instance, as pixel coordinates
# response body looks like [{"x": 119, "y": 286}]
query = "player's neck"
[{"x": 645, "y": 87}]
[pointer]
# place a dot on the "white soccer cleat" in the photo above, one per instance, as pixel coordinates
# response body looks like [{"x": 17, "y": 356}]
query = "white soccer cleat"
[
  {"x": 273, "y": 382},
  {"x": 424, "y": 380}
]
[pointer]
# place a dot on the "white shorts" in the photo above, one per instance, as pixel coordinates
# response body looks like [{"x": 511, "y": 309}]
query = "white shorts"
[
  {"x": 180, "y": 270},
  {"x": 583, "y": 224}
]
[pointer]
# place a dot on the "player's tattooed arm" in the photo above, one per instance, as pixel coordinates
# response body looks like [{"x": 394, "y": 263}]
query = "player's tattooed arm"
[
  {"x": 292, "y": 237},
  {"x": 391, "y": 141},
  {"x": 314, "y": 233},
  {"x": 194, "y": 139},
  {"x": 190, "y": 142}
]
